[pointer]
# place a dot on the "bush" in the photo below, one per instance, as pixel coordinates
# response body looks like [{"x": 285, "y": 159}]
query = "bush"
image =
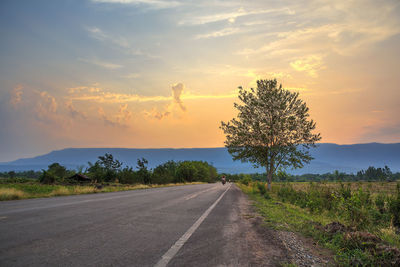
[
  {"x": 261, "y": 188},
  {"x": 165, "y": 173},
  {"x": 10, "y": 194},
  {"x": 47, "y": 178},
  {"x": 394, "y": 207},
  {"x": 245, "y": 180},
  {"x": 380, "y": 203},
  {"x": 186, "y": 172}
]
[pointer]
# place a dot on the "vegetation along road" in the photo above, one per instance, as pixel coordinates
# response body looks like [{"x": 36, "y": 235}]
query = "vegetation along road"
[{"x": 193, "y": 225}]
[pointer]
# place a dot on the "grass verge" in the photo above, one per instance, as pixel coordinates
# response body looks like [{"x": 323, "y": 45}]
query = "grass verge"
[
  {"x": 351, "y": 247},
  {"x": 33, "y": 189}
]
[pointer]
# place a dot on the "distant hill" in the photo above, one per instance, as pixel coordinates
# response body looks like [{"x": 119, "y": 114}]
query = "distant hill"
[{"x": 328, "y": 157}]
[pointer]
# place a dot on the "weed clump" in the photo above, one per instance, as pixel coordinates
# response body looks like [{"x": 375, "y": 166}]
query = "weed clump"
[
  {"x": 362, "y": 227},
  {"x": 10, "y": 194},
  {"x": 246, "y": 181}
]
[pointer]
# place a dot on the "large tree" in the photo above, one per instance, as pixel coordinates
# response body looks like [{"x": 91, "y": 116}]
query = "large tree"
[{"x": 272, "y": 128}]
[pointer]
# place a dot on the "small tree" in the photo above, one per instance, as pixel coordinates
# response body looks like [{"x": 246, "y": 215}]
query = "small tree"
[
  {"x": 105, "y": 169},
  {"x": 272, "y": 128},
  {"x": 11, "y": 174},
  {"x": 59, "y": 171},
  {"x": 143, "y": 172},
  {"x": 186, "y": 172},
  {"x": 47, "y": 178}
]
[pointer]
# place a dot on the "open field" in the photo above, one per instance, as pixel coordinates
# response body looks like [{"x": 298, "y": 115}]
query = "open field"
[
  {"x": 373, "y": 187},
  {"x": 359, "y": 222},
  {"x": 33, "y": 189}
]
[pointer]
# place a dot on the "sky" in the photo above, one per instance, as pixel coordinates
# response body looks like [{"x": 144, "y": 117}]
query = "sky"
[{"x": 156, "y": 74}]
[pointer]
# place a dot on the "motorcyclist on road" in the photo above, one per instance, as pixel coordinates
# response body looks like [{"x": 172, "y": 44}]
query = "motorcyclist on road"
[{"x": 223, "y": 179}]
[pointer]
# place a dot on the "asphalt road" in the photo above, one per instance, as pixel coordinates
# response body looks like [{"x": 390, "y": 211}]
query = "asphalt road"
[{"x": 193, "y": 225}]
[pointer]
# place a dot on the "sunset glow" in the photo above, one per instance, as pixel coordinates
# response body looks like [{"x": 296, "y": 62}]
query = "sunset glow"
[{"x": 156, "y": 74}]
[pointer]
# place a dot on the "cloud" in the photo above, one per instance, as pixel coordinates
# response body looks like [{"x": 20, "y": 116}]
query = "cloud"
[
  {"x": 322, "y": 32},
  {"x": 154, "y": 4},
  {"x": 97, "y": 33},
  {"x": 176, "y": 93},
  {"x": 46, "y": 107},
  {"x": 120, "y": 119},
  {"x": 100, "y": 35},
  {"x": 106, "y": 120},
  {"x": 96, "y": 94},
  {"x": 124, "y": 115},
  {"x": 103, "y": 64},
  {"x": 73, "y": 112},
  {"x": 159, "y": 115},
  {"x": 230, "y": 16},
  {"x": 220, "y": 33},
  {"x": 16, "y": 96},
  {"x": 99, "y": 95},
  {"x": 310, "y": 64}
]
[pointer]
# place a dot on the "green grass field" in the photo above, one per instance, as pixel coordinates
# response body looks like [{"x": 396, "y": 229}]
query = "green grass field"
[{"x": 368, "y": 233}]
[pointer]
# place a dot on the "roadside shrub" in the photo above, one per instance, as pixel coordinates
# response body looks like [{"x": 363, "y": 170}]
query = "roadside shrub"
[
  {"x": 10, "y": 194},
  {"x": 394, "y": 207},
  {"x": 319, "y": 198},
  {"x": 245, "y": 180},
  {"x": 287, "y": 193},
  {"x": 345, "y": 192},
  {"x": 380, "y": 203},
  {"x": 60, "y": 191},
  {"x": 84, "y": 189},
  {"x": 47, "y": 178},
  {"x": 356, "y": 209},
  {"x": 261, "y": 188}
]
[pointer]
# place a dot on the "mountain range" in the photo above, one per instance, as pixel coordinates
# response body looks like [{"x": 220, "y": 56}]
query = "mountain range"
[{"x": 328, "y": 157}]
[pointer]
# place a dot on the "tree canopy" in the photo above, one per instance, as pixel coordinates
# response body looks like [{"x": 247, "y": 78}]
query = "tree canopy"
[{"x": 272, "y": 128}]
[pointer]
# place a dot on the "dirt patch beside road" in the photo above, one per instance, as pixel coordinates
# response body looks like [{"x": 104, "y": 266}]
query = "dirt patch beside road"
[{"x": 269, "y": 247}]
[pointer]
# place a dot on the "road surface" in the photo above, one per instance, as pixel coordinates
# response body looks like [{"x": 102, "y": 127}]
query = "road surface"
[{"x": 192, "y": 225}]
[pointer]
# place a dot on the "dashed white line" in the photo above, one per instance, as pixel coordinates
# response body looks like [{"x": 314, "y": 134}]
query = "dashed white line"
[{"x": 198, "y": 193}]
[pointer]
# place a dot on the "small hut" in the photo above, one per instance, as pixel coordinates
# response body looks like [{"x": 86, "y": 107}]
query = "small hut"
[{"x": 80, "y": 178}]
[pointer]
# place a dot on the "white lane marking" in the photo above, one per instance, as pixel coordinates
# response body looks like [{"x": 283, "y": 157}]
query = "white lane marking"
[
  {"x": 77, "y": 202},
  {"x": 165, "y": 259},
  {"x": 198, "y": 193}
]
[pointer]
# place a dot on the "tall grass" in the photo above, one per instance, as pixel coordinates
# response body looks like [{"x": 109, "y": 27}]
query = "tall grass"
[
  {"x": 365, "y": 211},
  {"x": 33, "y": 189},
  {"x": 11, "y": 194}
]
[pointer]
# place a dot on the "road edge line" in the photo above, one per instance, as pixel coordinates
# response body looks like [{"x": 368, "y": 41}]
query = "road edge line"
[{"x": 167, "y": 257}]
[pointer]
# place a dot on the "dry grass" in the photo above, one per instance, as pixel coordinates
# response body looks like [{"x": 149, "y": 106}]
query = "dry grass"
[
  {"x": 13, "y": 191},
  {"x": 77, "y": 190},
  {"x": 61, "y": 191},
  {"x": 11, "y": 194}
]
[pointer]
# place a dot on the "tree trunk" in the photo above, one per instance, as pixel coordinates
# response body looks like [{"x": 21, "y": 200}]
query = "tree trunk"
[
  {"x": 270, "y": 171},
  {"x": 269, "y": 178}
]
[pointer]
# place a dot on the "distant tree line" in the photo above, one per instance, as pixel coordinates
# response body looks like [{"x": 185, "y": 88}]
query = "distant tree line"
[
  {"x": 21, "y": 174},
  {"x": 107, "y": 169},
  {"x": 370, "y": 174}
]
